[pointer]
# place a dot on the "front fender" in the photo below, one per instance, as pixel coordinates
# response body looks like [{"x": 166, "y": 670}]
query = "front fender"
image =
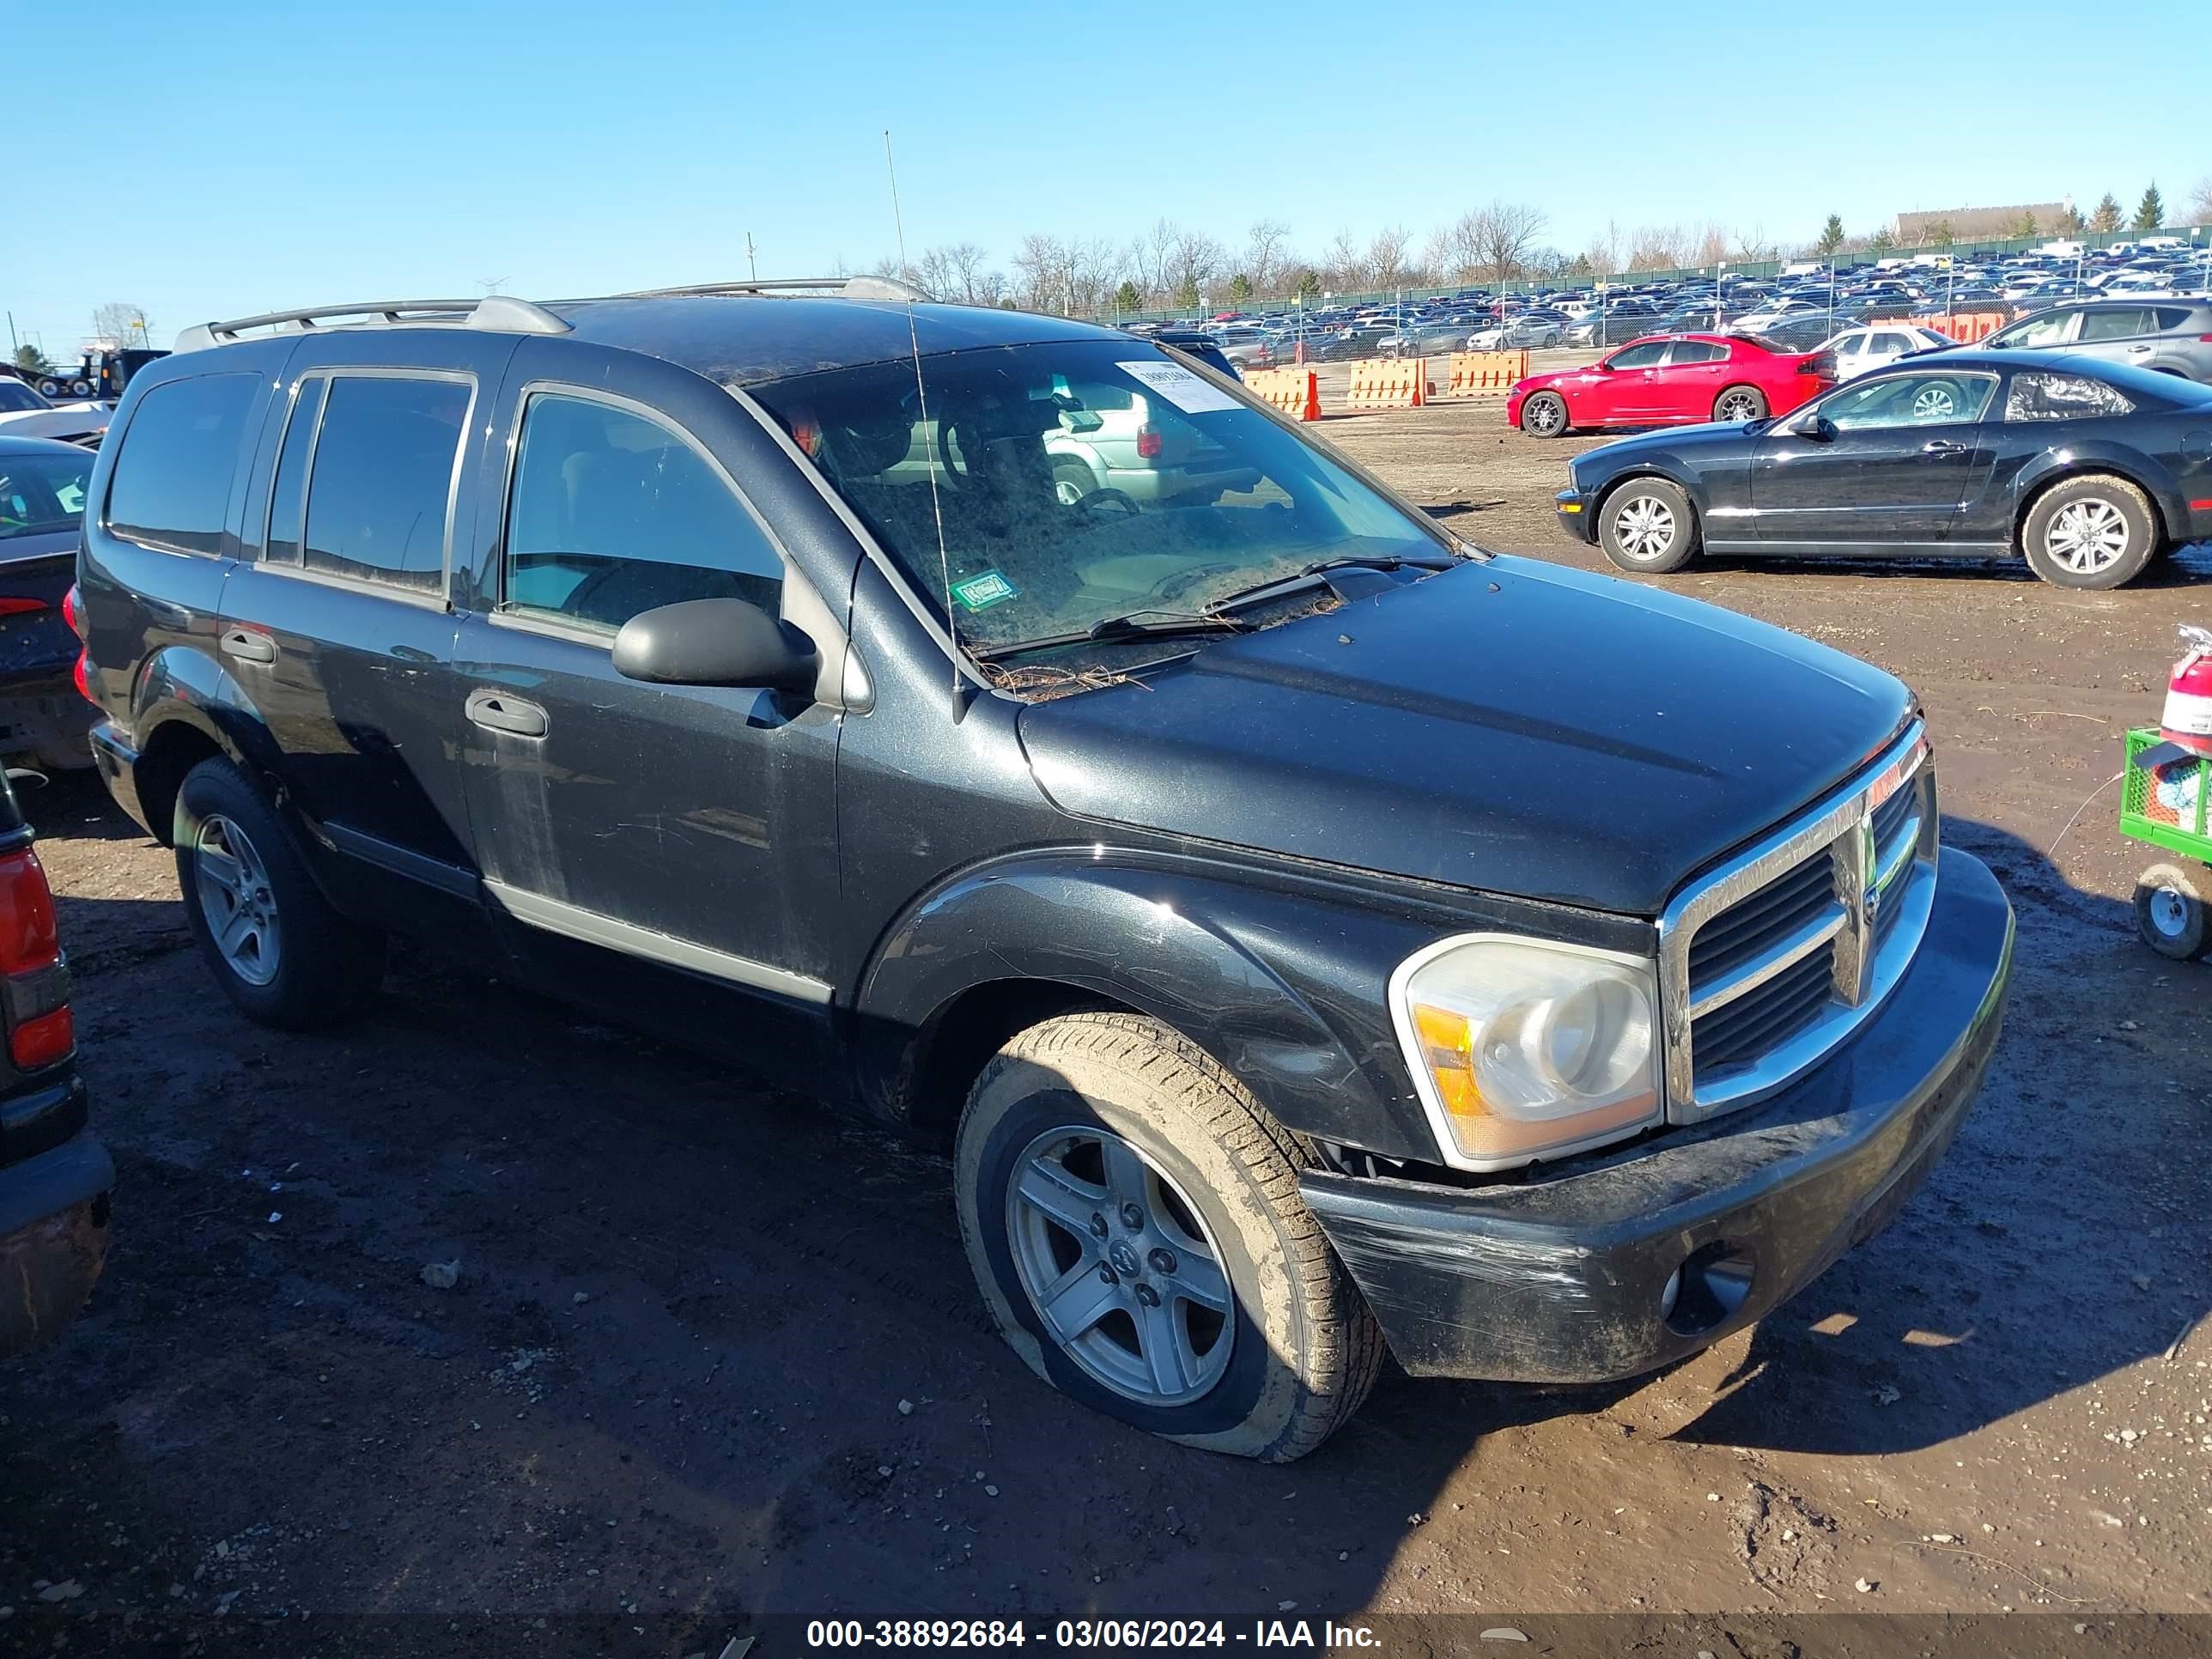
[{"x": 1284, "y": 988}]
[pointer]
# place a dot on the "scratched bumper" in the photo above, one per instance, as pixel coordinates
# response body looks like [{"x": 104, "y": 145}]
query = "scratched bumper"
[
  {"x": 118, "y": 769},
  {"x": 53, "y": 1239},
  {"x": 1561, "y": 1279}
]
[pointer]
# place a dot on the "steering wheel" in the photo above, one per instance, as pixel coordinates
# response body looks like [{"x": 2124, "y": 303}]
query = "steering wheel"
[{"x": 1107, "y": 497}]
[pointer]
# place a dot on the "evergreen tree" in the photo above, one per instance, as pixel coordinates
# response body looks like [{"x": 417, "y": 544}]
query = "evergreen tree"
[
  {"x": 1309, "y": 285},
  {"x": 2071, "y": 221},
  {"x": 2026, "y": 226},
  {"x": 1240, "y": 289},
  {"x": 2150, "y": 212},
  {"x": 31, "y": 361},
  {"x": 2107, "y": 217},
  {"x": 1831, "y": 236},
  {"x": 1127, "y": 298},
  {"x": 1883, "y": 241}
]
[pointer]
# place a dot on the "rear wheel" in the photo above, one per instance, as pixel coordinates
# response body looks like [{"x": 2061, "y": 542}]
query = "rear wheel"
[
  {"x": 1544, "y": 415},
  {"x": 1739, "y": 403},
  {"x": 1133, "y": 1220},
  {"x": 2170, "y": 913},
  {"x": 1072, "y": 480},
  {"x": 272, "y": 940},
  {"x": 2094, "y": 532},
  {"x": 1649, "y": 527}
]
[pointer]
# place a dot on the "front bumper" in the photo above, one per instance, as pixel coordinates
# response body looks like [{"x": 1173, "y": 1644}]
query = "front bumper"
[
  {"x": 1561, "y": 1280},
  {"x": 1578, "y": 514}
]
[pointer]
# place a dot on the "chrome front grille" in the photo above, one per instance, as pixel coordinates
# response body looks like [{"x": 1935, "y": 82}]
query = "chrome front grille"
[{"x": 1769, "y": 963}]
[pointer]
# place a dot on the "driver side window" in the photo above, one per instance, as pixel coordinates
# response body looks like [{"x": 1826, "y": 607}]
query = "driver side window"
[
  {"x": 612, "y": 514},
  {"x": 1896, "y": 400}
]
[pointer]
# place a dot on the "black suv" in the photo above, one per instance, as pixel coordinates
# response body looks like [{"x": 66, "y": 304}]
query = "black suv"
[{"x": 1304, "y": 931}]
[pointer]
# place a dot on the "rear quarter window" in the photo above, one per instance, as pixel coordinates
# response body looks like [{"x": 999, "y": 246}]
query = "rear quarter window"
[
  {"x": 171, "y": 486},
  {"x": 382, "y": 486}
]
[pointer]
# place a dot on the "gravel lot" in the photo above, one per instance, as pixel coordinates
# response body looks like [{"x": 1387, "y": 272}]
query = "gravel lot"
[{"x": 712, "y": 1356}]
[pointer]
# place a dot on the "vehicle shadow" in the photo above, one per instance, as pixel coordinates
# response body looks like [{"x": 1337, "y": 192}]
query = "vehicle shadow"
[
  {"x": 2186, "y": 566},
  {"x": 73, "y": 804},
  {"x": 747, "y": 1331}
]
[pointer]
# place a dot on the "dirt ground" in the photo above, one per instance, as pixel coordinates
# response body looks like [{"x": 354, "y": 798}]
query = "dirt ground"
[{"x": 713, "y": 1356}]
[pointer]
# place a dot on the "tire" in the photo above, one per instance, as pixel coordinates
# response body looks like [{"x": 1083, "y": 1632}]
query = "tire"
[
  {"x": 1114, "y": 1110},
  {"x": 1648, "y": 526},
  {"x": 294, "y": 963},
  {"x": 2094, "y": 532},
  {"x": 2170, "y": 915},
  {"x": 1739, "y": 403},
  {"x": 1545, "y": 415},
  {"x": 81, "y": 388},
  {"x": 50, "y": 388},
  {"x": 1072, "y": 480}
]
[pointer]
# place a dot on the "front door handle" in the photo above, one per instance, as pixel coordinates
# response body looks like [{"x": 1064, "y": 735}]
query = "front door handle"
[
  {"x": 247, "y": 646},
  {"x": 1942, "y": 446},
  {"x": 503, "y": 711}
]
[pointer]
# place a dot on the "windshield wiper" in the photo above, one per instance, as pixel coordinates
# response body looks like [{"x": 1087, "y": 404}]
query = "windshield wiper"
[
  {"x": 1128, "y": 626},
  {"x": 1310, "y": 575}
]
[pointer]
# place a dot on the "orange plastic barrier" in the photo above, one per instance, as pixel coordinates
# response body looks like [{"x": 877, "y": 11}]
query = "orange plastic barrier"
[
  {"x": 1485, "y": 374},
  {"x": 1296, "y": 391},
  {"x": 1388, "y": 383},
  {"x": 1967, "y": 326}
]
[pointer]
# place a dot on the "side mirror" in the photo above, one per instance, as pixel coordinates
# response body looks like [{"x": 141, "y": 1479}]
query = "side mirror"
[
  {"x": 715, "y": 642},
  {"x": 1819, "y": 427}
]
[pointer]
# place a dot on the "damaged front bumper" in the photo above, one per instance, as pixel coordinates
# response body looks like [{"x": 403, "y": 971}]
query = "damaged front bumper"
[{"x": 1616, "y": 1264}]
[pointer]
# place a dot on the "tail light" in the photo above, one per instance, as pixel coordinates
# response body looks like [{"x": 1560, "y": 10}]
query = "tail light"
[
  {"x": 73, "y": 614},
  {"x": 34, "y": 981},
  {"x": 1148, "y": 443},
  {"x": 15, "y": 605}
]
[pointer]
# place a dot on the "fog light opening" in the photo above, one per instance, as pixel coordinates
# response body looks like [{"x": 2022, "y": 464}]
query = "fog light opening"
[{"x": 1705, "y": 1291}]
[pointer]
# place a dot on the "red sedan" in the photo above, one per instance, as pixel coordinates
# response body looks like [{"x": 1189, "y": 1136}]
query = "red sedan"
[{"x": 1678, "y": 380}]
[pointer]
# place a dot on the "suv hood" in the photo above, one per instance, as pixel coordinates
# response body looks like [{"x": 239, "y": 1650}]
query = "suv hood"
[{"x": 1508, "y": 725}]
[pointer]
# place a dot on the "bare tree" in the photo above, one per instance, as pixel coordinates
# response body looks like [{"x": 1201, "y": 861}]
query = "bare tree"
[
  {"x": 1386, "y": 257},
  {"x": 2200, "y": 201},
  {"x": 1264, "y": 245},
  {"x": 1040, "y": 272},
  {"x": 1753, "y": 245},
  {"x": 1606, "y": 249},
  {"x": 1344, "y": 265},
  {"x": 121, "y": 321},
  {"x": 1504, "y": 232},
  {"x": 1658, "y": 247},
  {"x": 1194, "y": 260},
  {"x": 1712, "y": 243}
]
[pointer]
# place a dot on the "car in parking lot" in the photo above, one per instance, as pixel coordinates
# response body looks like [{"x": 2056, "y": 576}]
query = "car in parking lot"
[
  {"x": 2172, "y": 336},
  {"x": 729, "y": 662},
  {"x": 42, "y": 718},
  {"x": 1872, "y": 345},
  {"x": 1530, "y": 331},
  {"x": 1681, "y": 378},
  {"x": 2086, "y": 470}
]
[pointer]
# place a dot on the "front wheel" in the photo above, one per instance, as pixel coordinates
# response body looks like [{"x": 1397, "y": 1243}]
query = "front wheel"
[
  {"x": 1648, "y": 526},
  {"x": 2094, "y": 531},
  {"x": 2170, "y": 913},
  {"x": 1544, "y": 415},
  {"x": 1739, "y": 403},
  {"x": 1132, "y": 1218},
  {"x": 275, "y": 945}
]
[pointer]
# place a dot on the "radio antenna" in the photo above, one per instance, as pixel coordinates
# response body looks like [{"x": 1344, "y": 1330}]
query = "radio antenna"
[{"x": 936, "y": 438}]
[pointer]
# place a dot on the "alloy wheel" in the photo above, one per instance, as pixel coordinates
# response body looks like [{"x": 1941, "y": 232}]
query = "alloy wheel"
[
  {"x": 1644, "y": 527},
  {"x": 1738, "y": 406},
  {"x": 236, "y": 900},
  {"x": 2086, "y": 537},
  {"x": 1116, "y": 1261},
  {"x": 1934, "y": 402},
  {"x": 1545, "y": 418}
]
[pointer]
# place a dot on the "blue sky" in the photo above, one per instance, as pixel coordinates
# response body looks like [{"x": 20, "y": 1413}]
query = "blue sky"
[{"x": 260, "y": 154}]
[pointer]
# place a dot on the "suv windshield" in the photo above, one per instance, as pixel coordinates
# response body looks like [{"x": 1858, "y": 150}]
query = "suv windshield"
[
  {"x": 1080, "y": 480},
  {"x": 41, "y": 493}
]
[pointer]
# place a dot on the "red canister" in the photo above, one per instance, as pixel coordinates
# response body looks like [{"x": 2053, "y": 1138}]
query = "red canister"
[{"x": 2188, "y": 718}]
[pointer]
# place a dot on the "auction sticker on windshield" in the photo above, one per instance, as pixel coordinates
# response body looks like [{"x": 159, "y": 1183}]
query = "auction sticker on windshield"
[
  {"x": 1179, "y": 386},
  {"x": 981, "y": 593}
]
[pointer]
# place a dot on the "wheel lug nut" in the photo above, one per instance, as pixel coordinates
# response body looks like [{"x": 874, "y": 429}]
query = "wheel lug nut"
[
  {"x": 1133, "y": 1217},
  {"x": 1148, "y": 1296},
  {"x": 1106, "y": 1273},
  {"x": 1098, "y": 1225},
  {"x": 1163, "y": 1259}
]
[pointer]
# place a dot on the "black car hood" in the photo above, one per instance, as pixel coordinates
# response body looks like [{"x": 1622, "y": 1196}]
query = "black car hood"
[{"x": 1508, "y": 725}]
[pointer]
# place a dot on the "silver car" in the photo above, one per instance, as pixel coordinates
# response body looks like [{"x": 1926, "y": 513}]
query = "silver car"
[
  {"x": 1115, "y": 439},
  {"x": 2172, "y": 336}
]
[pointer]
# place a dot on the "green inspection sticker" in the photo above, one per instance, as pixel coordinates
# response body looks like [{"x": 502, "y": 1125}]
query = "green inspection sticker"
[{"x": 981, "y": 593}]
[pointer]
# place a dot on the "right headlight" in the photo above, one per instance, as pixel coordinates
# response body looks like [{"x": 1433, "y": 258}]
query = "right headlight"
[{"x": 1520, "y": 1047}]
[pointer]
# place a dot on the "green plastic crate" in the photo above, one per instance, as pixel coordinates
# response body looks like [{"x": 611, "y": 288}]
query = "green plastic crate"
[{"x": 2144, "y": 817}]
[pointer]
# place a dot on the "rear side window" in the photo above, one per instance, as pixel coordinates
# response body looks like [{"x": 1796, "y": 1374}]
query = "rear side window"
[
  {"x": 613, "y": 513},
  {"x": 288, "y": 502},
  {"x": 2115, "y": 324},
  {"x": 382, "y": 483},
  {"x": 2037, "y": 397},
  {"x": 170, "y": 488},
  {"x": 1696, "y": 351}
]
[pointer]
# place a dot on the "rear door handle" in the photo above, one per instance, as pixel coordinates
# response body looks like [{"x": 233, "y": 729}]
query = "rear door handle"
[
  {"x": 247, "y": 646},
  {"x": 1942, "y": 446},
  {"x": 503, "y": 711}
]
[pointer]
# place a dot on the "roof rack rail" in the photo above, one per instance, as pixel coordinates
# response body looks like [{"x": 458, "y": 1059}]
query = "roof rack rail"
[
  {"x": 852, "y": 287},
  {"x": 500, "y": 312}
]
